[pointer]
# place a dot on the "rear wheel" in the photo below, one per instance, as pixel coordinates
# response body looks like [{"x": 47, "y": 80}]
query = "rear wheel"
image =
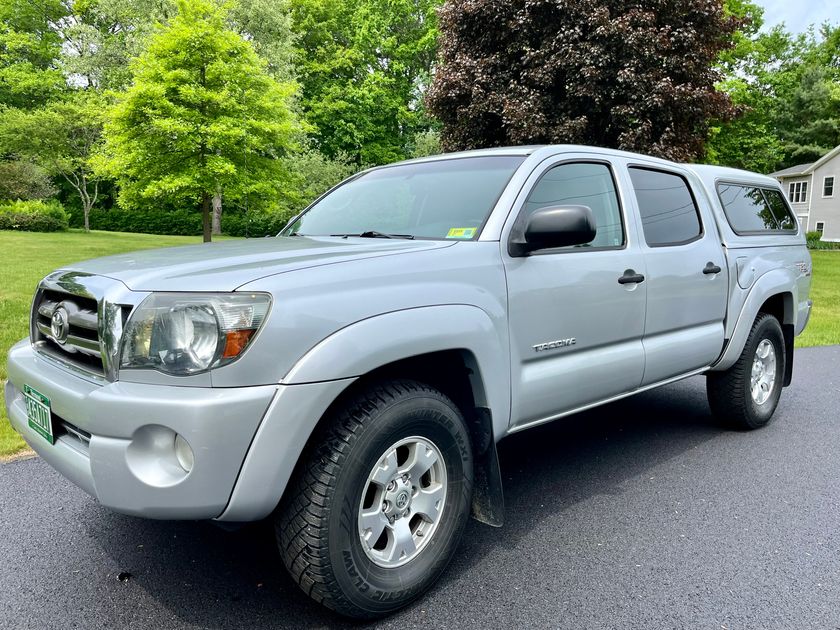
[
  {"x": 379, "y": 505},
  {"x": 747, "y": 394}
]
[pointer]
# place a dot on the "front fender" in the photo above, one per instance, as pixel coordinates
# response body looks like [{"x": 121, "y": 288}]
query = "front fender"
[
  {"x": 327, "y": 369},
  {"x": 774, "y": 282},
  {"x": 371, "y": 343}
]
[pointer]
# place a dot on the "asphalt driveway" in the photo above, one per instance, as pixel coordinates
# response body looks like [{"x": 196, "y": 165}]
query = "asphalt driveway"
[{"x": 641, "y": 514}]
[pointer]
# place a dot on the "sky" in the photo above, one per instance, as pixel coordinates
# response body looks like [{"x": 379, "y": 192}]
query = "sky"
[{"x": 799, "y": 14}]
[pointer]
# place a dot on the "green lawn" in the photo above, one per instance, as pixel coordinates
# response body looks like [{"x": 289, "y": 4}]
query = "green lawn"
[
  {"x": 824, "y": 327},
  {"x": 25, "y": 258}
]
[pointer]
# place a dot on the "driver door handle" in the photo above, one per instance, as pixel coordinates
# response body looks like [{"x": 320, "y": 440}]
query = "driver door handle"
[
  {"x": 711, "y": 268},
  {"x": 631, "y": 277}
]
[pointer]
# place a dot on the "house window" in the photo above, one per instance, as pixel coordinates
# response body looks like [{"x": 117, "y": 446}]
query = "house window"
[
  {"x": 797, "y": 192},
  {"x": 828, "y": 186},
  {"x": 820, "y": 227}
]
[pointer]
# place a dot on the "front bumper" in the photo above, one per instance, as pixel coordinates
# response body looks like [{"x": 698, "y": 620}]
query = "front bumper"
[{"x": 129, "y": 463}]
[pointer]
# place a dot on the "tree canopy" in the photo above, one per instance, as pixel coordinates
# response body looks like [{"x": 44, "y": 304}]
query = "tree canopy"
[
  {"x": 364, "y": 66},
  {"x": 202, "y": 116},
  {"x": 787, "y": 92},
  {"x": 628, "y": 74},
  {"x": 61, "y": 138},
  {"x": 297, "y": 94}
]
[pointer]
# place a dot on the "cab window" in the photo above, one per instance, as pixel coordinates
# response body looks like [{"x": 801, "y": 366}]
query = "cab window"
[
  {"x": 582, "y": 184},
  {"x": 667, "y": 207}
]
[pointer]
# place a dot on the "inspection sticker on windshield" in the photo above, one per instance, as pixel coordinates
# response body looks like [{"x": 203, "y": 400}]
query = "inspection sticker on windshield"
[{"x": 461, "y": 233}]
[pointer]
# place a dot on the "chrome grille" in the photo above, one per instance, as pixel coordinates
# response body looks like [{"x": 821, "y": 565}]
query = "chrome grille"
[
  {"x": 78, "y": 340},
  {"x": 78, "y": 318}
]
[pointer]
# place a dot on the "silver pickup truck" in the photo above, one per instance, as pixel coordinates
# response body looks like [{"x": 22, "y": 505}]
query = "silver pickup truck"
[{"x": 351, "y": 377}]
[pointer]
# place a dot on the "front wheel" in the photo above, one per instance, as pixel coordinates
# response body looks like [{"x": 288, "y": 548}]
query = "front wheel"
[
  {"x": 747, "y": 394},
  {"x": 379, "y": 506}
]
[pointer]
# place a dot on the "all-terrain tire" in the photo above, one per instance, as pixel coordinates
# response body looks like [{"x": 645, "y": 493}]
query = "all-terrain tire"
[
  {"x": 318, "y": 522},
  {"x": 730, "y": 392}
]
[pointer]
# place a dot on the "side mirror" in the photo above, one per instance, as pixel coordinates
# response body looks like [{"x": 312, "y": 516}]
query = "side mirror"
[{"x": 554, "y": 226}]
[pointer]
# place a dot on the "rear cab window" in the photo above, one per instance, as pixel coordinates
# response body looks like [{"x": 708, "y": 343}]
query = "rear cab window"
[
  {"x": 755, "y": 210},
  {"x": 667, "y": 207}
]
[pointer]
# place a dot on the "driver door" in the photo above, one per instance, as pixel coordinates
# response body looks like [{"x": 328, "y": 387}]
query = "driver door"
[{"x": 576, "y": 331}]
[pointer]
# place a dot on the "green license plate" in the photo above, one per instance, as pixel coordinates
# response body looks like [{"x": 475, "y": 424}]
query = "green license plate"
[{"x": 39, "y": 413}]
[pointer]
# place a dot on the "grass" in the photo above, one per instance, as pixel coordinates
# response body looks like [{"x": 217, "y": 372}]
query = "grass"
[
  {"x": 25, "y": 258},
  {"x": 28, "y": 257},
  {"x": 824, "y": 327}
]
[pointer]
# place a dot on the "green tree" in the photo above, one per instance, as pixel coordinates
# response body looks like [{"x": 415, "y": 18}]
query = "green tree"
[
  {"x": 787, "y": 91},
  {"x": 809, "y": 119},
  {"x": 202, "y": 117},
  {"x": 102, "y": 36},
  {"x": 426, "y": 143},
  {"x": 364, "y": 67},
  {"x": 312, "y": 174},
  {"x": 750, "y": 141},
  {"x": 29, "y": 46},
  {"x": 630, "y": 74},
  {"x": 752, "y": 70},
  {"x": 61, "y": 138}
]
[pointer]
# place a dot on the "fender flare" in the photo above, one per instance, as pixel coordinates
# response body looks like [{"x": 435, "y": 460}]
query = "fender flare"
[
  {"x": 775, "y": 282},
  {"x": 377, "y": 341},
  {"x": 327, "y": 369}
]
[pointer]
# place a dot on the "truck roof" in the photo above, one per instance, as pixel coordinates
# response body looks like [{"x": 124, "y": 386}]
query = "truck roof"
[{"x": 709, "y": 174}]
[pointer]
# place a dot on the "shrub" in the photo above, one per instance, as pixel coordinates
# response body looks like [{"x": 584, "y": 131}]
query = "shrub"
[
  {"x": 813, "y": 240},
  {"x": 254, "y": 224},
  {"x": 33, "y": 216},
  {"x": 25, "y": 181},
  {"x": 147, "y": 221},
  {"x": 312, "y": 174}
]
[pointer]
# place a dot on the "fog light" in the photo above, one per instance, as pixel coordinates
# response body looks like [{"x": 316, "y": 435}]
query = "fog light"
[{"x": 184, "y": 453}]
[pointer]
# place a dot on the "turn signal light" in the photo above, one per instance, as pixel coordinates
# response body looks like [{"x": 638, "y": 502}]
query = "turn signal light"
[{"x": 235, "y": 342}]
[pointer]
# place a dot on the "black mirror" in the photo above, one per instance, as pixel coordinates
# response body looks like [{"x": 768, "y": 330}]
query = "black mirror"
[{"x": 554, "y": 226}]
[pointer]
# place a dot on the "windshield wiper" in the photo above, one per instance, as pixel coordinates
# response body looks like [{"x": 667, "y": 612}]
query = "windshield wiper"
[{"x": 375, "y": 234}]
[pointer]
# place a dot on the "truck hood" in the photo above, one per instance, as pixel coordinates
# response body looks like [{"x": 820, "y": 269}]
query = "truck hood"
[{"x": 230, "y": 264}]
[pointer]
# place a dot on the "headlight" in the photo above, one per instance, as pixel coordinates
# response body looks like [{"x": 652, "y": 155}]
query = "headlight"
[{"x": 187, "y": 333}]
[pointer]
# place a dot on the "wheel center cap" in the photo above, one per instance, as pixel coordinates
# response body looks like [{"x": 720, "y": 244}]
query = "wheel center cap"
[{"x": 401, "y": 501}]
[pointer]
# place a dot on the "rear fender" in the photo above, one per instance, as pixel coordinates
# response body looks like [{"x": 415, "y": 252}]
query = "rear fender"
[{"x": 778, "y": 281}]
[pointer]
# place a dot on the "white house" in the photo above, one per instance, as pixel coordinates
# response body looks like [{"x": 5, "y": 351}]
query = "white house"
[{"x": 814, "y": 194}]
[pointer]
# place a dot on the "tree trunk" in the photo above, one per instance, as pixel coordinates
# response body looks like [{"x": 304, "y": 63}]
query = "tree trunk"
[
  {"x": 217, "y": 213},
  {"x": 79, "y": 181},
  {"x": 205, "y": 216}
]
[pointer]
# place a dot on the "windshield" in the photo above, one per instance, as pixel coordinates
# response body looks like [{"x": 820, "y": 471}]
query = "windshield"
[{"x": 444, "y": 199}]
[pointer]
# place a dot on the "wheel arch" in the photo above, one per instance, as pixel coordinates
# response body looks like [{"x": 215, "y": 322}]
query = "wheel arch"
[
  {"x": 457, "y": 374},
  {"x": 403, "y": 337},
  {"x": 774, "y": 293},
  {"x": 455, "y": 348},
  {"x": 782, "y": 306}
]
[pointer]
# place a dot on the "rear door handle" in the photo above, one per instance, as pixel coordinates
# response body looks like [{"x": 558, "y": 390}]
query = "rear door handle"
[
  {"x": 631, "y": 277},
  {"x": 711, "y": 268}
]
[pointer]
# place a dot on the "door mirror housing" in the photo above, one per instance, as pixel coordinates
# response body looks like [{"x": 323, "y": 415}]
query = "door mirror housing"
[{"x": 554, "y": 226}]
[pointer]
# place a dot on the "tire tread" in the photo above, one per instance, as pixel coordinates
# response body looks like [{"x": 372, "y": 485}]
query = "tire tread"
[
  {"x": 725, "y": 390},
  {"x": 305, "y": 510}
]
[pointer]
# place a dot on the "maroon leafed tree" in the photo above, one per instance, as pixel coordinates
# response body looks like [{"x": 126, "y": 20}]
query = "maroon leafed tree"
[{"x": 629, "y": 74}]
